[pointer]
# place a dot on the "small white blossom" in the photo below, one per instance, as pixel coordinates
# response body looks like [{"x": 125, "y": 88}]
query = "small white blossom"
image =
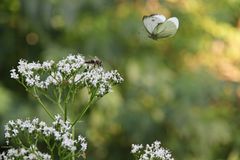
[
  {"x": 13, "y": 74},
  {"x": 83, "y": 146},
  {"x": 153, "y": 151},
  {"x": 60, "y": 131},
  {"x": 82, "y": 142},
  {"x": 57, "y": 135},
  {"x": 47, "y": 65},
  {"x": 26, "y": 154},
  {"x": 30, "y": 81},
  {"x": 15, "y": 132},
  {"x": 42, "y": 124},
  {"x": 70, "y": 64},
  {"x": 11, "y": 122},
  {"x": 136, "y": 147},
  {"x": 7, "y": 135},
  {"x": 72, "y": 70}
]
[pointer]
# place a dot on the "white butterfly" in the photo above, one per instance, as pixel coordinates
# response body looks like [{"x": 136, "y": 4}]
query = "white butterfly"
[{"x": 158, "y": 27}]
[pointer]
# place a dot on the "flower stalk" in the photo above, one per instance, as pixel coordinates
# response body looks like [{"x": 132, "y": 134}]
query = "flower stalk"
[{"x": 58, "y": 83}]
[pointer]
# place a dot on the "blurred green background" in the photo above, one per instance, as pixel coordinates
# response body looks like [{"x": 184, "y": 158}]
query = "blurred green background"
[{"x": 183, "y": 91}]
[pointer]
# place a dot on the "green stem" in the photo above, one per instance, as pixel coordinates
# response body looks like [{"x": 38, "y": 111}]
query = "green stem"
[
  {"x": 42, "y": 104},
  {"x": 85, "y": 108},
  {"x": 23, "y": 85},
  {"x": 73, "y": 136},
  {"x": 66, "y": 103},
  {"x": 60, "y": 107},
  {"x": 59, "y": 95},
  {"x": 59, "y": 100},
  {"x": 36, "y": 142},
  {"x": 65, "y": 112},
  {"x": 49, "y": 98},
  {"x": 59, "y": 152},
  {"x": 67, "y": 156},
  {"x": 49, "y": 147},
  {"x": 52, "y": 100}
]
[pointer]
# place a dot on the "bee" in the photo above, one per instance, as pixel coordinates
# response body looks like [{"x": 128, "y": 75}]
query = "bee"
[{"x": 95, "y": 62}]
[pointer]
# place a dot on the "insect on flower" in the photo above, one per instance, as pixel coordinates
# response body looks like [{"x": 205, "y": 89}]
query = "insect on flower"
[{"x": 95, "y": 62}]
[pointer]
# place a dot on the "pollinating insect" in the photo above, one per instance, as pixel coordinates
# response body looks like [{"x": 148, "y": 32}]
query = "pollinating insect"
[{"x": 95, "y": 62}]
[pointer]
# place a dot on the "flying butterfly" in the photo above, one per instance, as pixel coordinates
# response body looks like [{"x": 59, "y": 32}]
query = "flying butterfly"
[{"x": 158, "y": 27}]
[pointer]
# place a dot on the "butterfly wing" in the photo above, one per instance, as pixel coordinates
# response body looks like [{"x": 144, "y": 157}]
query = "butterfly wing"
[
  {"x": 166, "y": 29},
  {"x": 150, "y": 22}
]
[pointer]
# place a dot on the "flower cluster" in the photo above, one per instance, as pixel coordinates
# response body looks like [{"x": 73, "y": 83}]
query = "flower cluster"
[
  {"x": 150, "y": 152},
  {"x": 97, "y": 78},
  {"x": 73, "y": 70},
  {"x": 26, "y": 154},
  {"x": 59, "y": 132}
]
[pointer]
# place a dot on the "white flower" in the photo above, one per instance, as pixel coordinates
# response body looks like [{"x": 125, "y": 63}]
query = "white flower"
[
  {"x": 32, "y": 156},
  {"x": 30, "y": 81},
  {"x": 84, "y": 146},
  {"x": 15, "y": 132},
  {"x": 70, "y": 64},
  {"x": 99, "y": 79},
  {"x": 7, "y": 135},
  {"x": 153, "y": 151},
  {"x": 82, "y": 142},
  {"x": 47, "y": 64},
  {"x": 12, "y": 152},
  {"x": 56, "y": 78},
  {"x": 22, "y": 67},
  {"x": 13, "y": 74},
  {"x": 57, "y": 135},
  {"x": 42, "y": 124},
  {"x": 6, "y": 127},
  {"x": 60, "y": 131},
  {"x": 67, "y": 142},
  {"x": 11, "y": 122},
  {"x": 71, "y": 70},
  {"x": 27, "y": 154},
  {"x": 136, "y": 148},
  {"x": 22, "y": 151}
]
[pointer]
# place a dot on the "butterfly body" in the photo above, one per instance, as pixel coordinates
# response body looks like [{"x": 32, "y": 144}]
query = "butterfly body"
[{"x": 158, "y": 27}]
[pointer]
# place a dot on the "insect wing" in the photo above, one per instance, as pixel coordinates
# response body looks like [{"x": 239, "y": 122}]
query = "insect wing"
[
  {"x": 166, "y": 29},
  {"x": 150, "y": 22},
  {"x": 95, "y": 62}
]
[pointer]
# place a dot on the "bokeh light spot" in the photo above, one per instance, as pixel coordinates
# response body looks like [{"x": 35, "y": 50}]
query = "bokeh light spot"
[{"x": 32, "y": 38}]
